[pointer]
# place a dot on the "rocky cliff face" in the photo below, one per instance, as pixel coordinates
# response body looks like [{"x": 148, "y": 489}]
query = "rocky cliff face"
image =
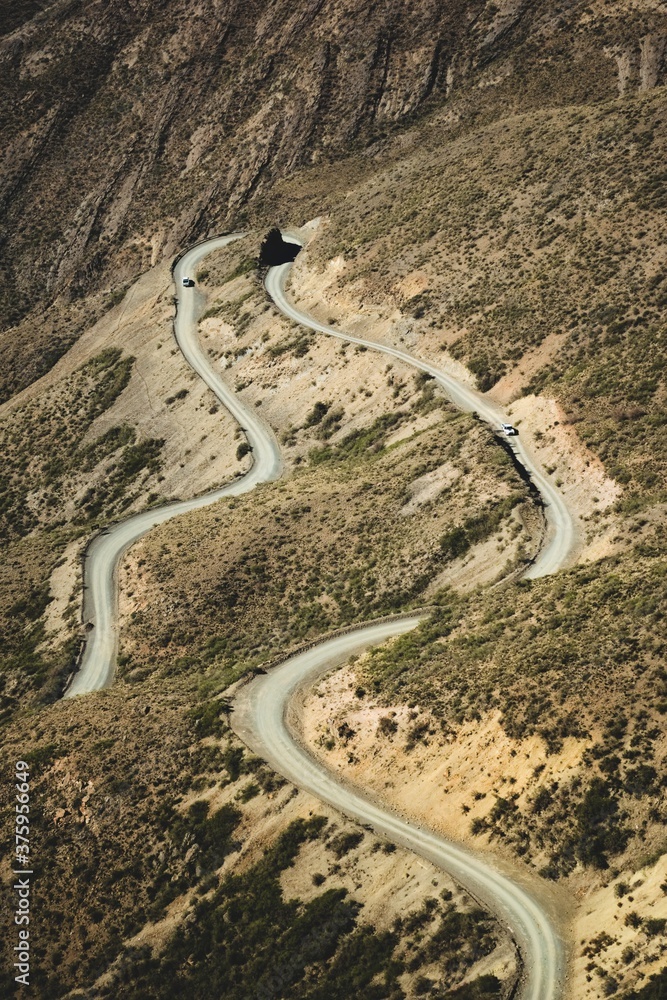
[{"x": 131, "y": 127}]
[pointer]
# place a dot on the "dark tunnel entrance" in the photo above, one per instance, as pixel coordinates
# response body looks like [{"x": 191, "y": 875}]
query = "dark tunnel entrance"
[{"x": 275, "y": 250}]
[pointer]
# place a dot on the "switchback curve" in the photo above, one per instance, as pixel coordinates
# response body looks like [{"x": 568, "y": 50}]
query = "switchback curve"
[{"x": 107, "y": 549}]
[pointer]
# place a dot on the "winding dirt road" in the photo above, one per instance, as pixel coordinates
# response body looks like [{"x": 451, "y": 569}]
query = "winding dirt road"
[
  {"x": 261, "y": 708},
  {"x": 103, "y": 556},
  {"x": 561, "y": 539},
  {"x": 260, "y": 719}
]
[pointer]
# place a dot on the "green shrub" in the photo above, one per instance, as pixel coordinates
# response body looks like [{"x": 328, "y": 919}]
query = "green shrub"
[
  {"x": 317, "y": 414},
  {"x": 598, "y": 829},
  {"x": 206, "y": 718},
  {"x": 387, "y": 726},
  {"x": 345, "y": 842}
]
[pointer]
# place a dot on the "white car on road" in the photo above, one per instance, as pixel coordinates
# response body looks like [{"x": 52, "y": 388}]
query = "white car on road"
[{"x": 508, "y": 430}]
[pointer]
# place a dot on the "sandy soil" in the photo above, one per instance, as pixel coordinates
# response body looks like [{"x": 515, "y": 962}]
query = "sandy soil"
[
  {"x": 449, "y": 781},
  {"x": 65, "y": 584},
  {"x": 286, "y": 387},
  {"x": 607, "y": 946},
  {"x": 580, "y": 475},
  {"x": 433, "y": 781},
  {"x": 331, "y": 297}
]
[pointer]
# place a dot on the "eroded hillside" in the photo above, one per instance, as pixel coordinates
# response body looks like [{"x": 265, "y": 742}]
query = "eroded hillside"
[
  {"x": 131, "y": 129},
  {"x": 484, "y": 185}
]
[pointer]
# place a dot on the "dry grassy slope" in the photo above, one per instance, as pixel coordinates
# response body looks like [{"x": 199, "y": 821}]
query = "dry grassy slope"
[
  {"x": 495, "y": 731},
  {"x": 131, "y": 128},
  {"x": 531, "y": 249},
  {"x": 385, "y": 469},
  {"x": 119, "y": 813},
  {"x": 91, "y": 441},
  {"x": 101, "y": 798},
  {"x": 130, "y": 132},
  {"x": 545, "y": 428},
  {"x": 473, "y": 776},
  {"x": 587, "y": 791},
  {"x": 99, "y": 789},
  {"x": 346, "y": 541}
]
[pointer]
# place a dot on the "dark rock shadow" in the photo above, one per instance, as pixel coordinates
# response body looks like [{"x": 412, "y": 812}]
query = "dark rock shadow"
[{"x": 275, "y": 250}]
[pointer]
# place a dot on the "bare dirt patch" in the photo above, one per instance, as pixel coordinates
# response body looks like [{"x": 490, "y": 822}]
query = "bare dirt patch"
[
  {"x": 433, "y": 776},
  {"x": 579, "y": 474}
]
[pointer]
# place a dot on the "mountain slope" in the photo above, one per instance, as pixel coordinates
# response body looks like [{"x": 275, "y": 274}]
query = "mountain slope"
[{"x": 131, "y": 128}]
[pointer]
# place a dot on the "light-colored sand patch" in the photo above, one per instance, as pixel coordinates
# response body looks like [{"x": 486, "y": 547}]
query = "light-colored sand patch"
[
  {"x": 545, "y": 425},
  {"x": 629, "y": 952},
  {"x": 448, "y": 780},
  {"x": 333, "y": 298},
  {"x": 435, "y": 779},
  {"x": 64, "y": 584},
  {"x": 389, "y": 881},
  {"x": 581, "y": 477},
  {"x": 199, "y": 435},
  {"x": 392, "y": 883},
  {"x": 429, "y": 486},
  {"x": 412, "y": 284}
]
